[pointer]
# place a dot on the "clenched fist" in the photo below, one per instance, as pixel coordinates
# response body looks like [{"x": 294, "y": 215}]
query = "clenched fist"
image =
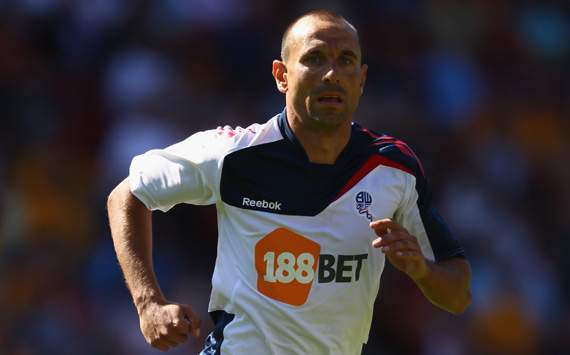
[{"x": 167, "y": 324}]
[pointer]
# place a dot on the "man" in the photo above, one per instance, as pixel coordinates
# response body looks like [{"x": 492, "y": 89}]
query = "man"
[{"x": 309, "y": 206}]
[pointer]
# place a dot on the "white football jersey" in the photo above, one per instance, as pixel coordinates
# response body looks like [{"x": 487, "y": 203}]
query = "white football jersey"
[{"x": 295, "y": 271}]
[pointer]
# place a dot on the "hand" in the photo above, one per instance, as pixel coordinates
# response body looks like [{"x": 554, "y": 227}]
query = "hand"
[
  {"x": 401, "y": 248},
  {"x": 167, "y": 324}
]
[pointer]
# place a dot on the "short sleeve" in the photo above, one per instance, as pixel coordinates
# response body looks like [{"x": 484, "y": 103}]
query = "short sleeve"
[
  {"x": 182, "y": 173},
  {"x": 420, "y": 218}
]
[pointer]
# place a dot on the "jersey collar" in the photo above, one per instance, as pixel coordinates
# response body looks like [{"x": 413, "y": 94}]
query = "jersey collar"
[{"x": 289, "y": 136}]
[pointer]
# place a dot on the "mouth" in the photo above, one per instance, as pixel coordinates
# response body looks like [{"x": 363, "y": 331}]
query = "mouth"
[{"x": 330, "y": 99}]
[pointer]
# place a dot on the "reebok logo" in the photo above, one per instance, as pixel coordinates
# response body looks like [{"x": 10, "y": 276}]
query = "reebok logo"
[{"x": 261, "y": 204}]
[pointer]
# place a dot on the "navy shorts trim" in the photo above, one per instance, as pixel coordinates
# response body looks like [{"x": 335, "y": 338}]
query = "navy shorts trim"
[{"x": 213, "y": 344}]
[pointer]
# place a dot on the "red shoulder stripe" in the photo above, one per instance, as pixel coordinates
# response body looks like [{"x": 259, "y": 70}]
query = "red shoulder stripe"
[{"x": 367, "y": 167}]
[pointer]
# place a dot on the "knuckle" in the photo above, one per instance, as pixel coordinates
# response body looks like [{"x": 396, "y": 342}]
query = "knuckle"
[
  {"x": 179, "y": 311},
  {"x": 163, "y": 331},
  {"x": 152, "y": 338},
  {"x": 177, "y": 321},
  {"x": 172, "y": 309}
]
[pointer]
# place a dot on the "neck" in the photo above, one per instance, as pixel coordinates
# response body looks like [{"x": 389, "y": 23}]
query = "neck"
[{"x": 322, "y": 145}]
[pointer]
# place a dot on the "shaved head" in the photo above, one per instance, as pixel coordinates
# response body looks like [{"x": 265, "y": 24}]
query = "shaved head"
[
  {"x": 298, "y": 24},
  {"x": 320, "y": 72}
]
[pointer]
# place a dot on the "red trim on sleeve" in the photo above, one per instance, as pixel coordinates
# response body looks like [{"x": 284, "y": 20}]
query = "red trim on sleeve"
[
  {"x": 402, "y": 147},
  {"x": 370, "y": 133},
  {"x": 367, "y": 167}
]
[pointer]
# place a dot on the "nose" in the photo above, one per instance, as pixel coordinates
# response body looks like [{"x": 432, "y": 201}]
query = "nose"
[{"x": 331, "y": 75}]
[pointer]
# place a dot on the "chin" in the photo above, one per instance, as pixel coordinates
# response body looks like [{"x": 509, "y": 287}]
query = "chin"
[{"x": 330, "y": 120}]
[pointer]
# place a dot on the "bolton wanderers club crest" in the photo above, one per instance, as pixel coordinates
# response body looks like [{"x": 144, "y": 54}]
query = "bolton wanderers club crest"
[{"x": 363, "y": 202}]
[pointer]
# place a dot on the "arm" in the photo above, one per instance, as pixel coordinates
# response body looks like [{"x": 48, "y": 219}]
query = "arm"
[
  {"x": 446, "y": 284},
  {"x": 163, "y": 323}
]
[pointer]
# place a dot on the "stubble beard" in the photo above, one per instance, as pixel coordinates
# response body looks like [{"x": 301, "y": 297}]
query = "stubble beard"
[
  {"x": 321, "y": 119},
  {"x": 328, "y": 119}
]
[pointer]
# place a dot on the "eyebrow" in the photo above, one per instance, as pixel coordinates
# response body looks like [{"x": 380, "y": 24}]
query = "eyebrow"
[
  {"x": 349, "y": 53},
  {"x": 346, "y": 52},
  {"x": 314, "y": 49}
]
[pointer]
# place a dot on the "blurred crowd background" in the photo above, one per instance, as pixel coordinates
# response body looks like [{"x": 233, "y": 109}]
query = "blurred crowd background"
[{"x": 480, "y": 90}]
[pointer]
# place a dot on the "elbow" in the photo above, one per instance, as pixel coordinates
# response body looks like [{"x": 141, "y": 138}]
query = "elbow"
[
  {"x": 112, "y": 199},
  {"x": 464, "y": 299},
  {"x": 461, "y": 304},
  {"x": 121, "y": 199},
  {"x": 118, "y": 196},
  {"x": 119, "y": 193}
]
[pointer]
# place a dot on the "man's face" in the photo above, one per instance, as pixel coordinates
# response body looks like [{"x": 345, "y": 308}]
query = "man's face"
[{"x": 323, "y": 78}]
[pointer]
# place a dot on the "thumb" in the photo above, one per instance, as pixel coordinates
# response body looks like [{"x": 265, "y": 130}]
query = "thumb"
[{"x": 193, "y": 318}]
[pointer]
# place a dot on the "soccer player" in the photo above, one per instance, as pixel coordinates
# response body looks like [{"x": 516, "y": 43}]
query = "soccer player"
[{"x": 310, "y": 206}]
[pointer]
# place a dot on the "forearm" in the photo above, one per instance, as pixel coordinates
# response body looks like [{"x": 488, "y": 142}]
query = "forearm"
[
  {"x": 131, "y": 229},
  {"x": 447, "y": 284}
]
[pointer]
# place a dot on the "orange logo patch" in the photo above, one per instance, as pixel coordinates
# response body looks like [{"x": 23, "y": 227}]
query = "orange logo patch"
[{"x": 286, "y": 265}]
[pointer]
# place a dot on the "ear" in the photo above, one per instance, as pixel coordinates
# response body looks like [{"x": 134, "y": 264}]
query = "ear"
[
  {"x": 280, "y": 74},
  {"x": 363, "y": 73}
]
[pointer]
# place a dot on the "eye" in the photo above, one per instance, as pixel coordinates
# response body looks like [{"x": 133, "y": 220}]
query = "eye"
[
  {"x": 313, "y": 59},
  {"x": 347, "y": 60}
]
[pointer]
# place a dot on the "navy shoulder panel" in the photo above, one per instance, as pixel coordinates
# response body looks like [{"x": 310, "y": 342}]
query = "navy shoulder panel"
[
  {"x": 275, "y": 177},
  {"x": 397, "y": 151},
  {"x": 397, "y": 154}
]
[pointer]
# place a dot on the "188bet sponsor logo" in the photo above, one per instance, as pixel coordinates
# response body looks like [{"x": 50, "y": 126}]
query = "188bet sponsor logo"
[{"x": 288, "y": 263}]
